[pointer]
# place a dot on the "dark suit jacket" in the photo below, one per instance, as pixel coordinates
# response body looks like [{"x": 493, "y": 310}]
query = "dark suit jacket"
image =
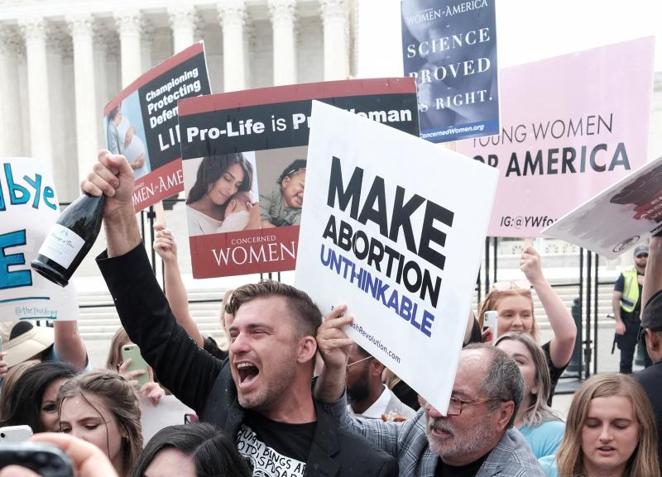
[
  {"x": 651, "y": 380},
  {"x": 204, "y": 383}
]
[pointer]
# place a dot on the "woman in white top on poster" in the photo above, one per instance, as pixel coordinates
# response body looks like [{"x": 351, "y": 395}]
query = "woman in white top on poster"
[
  {"x": 220, "y": 200},
  {"x": 122, "y": 139}
]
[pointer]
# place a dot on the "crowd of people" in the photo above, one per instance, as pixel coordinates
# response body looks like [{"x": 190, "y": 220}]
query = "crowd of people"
[{"x": 293, "y": 395}]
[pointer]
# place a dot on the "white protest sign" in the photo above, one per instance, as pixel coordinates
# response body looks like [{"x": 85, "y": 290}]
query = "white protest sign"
[
  {"x": 394, "y": 227},
  {"x": 28, "y": 208},
  {"x": 618, "y": 217},
  {"x": 169, "y": 411}
]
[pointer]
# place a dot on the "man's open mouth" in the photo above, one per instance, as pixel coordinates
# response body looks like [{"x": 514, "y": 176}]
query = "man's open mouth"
[{"x": 247, "y": 372}]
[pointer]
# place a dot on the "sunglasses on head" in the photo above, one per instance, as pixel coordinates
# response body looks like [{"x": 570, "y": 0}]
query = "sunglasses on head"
[{"x": 511, "y": 285}]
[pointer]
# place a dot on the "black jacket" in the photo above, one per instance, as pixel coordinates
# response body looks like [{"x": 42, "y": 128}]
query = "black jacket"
[{"x": 204, "y": 383}]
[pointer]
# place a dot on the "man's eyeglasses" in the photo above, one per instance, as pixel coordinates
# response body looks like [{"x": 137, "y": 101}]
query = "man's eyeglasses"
[
  {"x": 642, "y": 255},
  {"x": 455, "y": 405},
  {"x": 349, "y": 365},
  {"x": 511, "y": 285}
]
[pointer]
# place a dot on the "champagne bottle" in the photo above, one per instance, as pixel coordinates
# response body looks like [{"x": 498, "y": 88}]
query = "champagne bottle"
[{"x": 70, "y": 238}]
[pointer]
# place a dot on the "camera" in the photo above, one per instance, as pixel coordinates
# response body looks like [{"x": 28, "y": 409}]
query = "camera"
[{"x": 46, "y": 460}]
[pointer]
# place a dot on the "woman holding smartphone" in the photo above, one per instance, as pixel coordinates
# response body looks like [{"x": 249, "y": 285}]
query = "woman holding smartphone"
[
  {"x": 513, "y": 303},
  {"x": 140, "y": 376}
]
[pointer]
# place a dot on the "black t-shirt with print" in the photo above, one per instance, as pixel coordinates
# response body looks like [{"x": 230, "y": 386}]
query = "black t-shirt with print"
[{"x": 275, "y": 448}]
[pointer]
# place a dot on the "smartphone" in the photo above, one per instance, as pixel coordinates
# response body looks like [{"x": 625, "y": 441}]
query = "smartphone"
[
  {"x": 14, "y": 434},
  {"x": 46, "y": 460},
  {"x": 137, "y": 362},
  {"x": 490, "y": 322}
]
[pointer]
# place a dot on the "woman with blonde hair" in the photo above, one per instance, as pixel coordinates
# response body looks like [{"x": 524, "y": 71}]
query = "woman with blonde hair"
[
  {"x": 610, "y": 432},
  {"x": 513, "y": 303},
  {"x": 538, "y": 423},
  {"x": 102, "y": 408}
]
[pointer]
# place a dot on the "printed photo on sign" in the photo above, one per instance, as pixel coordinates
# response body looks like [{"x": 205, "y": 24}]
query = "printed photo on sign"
[
  {"x": 223, "y": 192},
  {"x": 587, "y": 132},
  {"x": 233, "y": 232},
  {"x": 449, "y": 46},
  {"x": 141, "y": 123},
  {"x": 125, "y": 134},
  {"x": 617, "y": 218},
  {"x": 28, "y": 209},
  {"x": 283, "y": 180},
  {"x": 399, "y": 242}
]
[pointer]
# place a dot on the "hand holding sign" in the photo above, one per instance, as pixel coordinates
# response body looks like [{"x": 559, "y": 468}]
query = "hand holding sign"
[
  {"x": 165, "y": 245},
  {"x": 530, "y": 264},
  {"x": 332, "y": 341},
  {"x": 333, "y": 345}
]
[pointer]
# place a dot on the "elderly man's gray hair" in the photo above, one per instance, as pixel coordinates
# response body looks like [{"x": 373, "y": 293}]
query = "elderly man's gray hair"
[{"x": 504, "y": 381}]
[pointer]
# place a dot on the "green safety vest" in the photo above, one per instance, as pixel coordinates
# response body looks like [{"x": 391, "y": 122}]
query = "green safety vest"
[{"x": 630, "y": 294}]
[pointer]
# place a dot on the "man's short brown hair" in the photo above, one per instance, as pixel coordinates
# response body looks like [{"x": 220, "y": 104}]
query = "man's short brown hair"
[{"x": 303, "y": 308}]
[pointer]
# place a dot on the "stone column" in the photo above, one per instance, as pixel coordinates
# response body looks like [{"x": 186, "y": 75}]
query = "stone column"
[
  {"x": 34, "y": 32},
  {"x": 101, "y": 39},
  {"x": 82, "y": 35},
  {"x": 232, "y": 15},
  {"x": 336, "y": 39},
  {"x": 183, "y": 24},
  {"x": 146, "y": 42},
  {"x": 284, "y": 40},
  {"x": 10, "y": 109},
  {"x": 129, "y": 25}
]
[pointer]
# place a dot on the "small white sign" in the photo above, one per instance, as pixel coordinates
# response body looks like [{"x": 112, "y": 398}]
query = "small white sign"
[
  {"x": 394, "y": 227},
  {"x": 28, "y": 209},
  {"x": 618, "y": 217}
]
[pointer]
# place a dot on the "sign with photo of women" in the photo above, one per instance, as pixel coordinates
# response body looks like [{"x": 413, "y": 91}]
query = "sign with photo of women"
[
  {"x": 244, "y": 158},
  {"x": 398, "y": 239},
  {"x": 618, "y": 217},
  {"x": 450, "y": 47},
  {"x": 571, "y": 126},
  {"x": 141, "y": 123},
  {"x": 28, "y": 209}
]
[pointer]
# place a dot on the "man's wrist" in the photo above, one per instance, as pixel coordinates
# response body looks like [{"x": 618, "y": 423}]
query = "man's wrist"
[
  {"x": 122, "y": 234},
  {"x": 330, "y": 384}
]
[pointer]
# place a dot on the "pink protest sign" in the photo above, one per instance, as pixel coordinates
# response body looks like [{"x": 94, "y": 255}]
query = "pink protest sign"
[{"x": 571, "y": 126}]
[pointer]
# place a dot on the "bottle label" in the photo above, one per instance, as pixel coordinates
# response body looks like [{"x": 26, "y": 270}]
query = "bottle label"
[{"x": 61, "y": 245}]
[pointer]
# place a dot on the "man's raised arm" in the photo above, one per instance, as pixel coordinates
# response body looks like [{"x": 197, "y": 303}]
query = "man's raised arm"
[{"x": 178, "y": 363}]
